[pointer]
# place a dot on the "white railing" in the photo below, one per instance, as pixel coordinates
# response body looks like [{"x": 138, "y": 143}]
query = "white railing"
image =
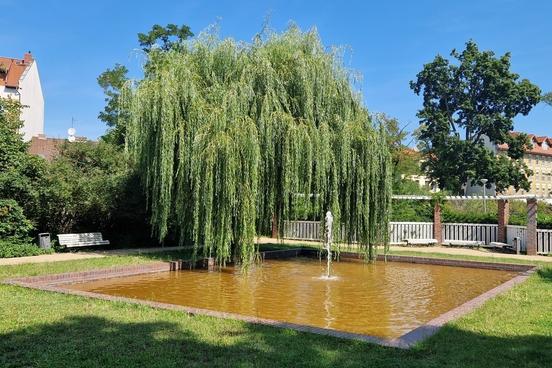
[
  {"x": 544, "y": 238},
  {"x": 302, "y": 230},
  {"x": 544, "y": 241},
  {"x": 399, "y": 231},
  {"x": 485, "y": 233},
  {"x": 519, "y": 232}
]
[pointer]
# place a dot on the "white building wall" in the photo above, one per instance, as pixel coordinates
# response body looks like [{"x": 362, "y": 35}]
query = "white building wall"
[
  {"x": 31, "y": 98},
  {"x": 6, "y": 92}
]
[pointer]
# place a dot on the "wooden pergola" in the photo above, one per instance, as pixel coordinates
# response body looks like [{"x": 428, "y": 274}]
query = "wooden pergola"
[{"x": 503, "y": 214}]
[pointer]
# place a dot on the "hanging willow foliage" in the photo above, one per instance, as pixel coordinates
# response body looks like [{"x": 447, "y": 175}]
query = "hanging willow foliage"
[{"x": 228, "y": 135}]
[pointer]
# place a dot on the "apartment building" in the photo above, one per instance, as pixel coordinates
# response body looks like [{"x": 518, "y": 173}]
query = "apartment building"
[
  {"x": 539, "y": 159},
  {"x": 19, "y": 79}
]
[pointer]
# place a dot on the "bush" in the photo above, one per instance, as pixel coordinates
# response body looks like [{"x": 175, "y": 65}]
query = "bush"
[
  {"x": 411, "y": 211},
  {"x": 92, "y": 187},
  {"x": 469, "y": 217},
  {"x": 13, "y": 223},
  {"x": 20, "y": 172},
  {"x": 11, "y": 247}
]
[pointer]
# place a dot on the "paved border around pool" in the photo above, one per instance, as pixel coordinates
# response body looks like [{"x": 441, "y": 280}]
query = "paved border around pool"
[{"x": 56, "y": 283}]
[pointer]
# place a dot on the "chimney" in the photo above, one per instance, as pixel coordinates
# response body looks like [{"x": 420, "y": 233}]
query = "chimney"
[{"x": 28, "y": 57}]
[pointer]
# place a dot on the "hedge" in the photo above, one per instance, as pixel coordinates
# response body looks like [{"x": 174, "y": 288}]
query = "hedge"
[{"x": 18, "y": 248}]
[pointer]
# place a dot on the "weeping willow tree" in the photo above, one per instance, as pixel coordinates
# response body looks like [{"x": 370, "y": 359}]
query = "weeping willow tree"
[{"x": 229, "y": 135}]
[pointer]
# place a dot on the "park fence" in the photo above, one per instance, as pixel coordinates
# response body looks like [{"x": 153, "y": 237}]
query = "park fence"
[
  {"x": 485, "y": 233},
  {"x": 399, "y": 231}
]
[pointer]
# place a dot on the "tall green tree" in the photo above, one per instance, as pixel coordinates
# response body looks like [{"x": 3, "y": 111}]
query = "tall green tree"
[
  {"x": 228, "y": 135},
  {"x": 468, "y": 104},
  {"x": 20, "y": 173},
  {"x": 164, "y": 38},
  {"x": 113, "y": 115},
  {"x": 405, "y": 160},
  {"x": 158, "y": 40},
  {"x": 90, "y": 186}
]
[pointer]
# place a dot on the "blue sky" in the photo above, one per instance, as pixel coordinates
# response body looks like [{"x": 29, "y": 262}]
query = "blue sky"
[{"x": 75, "y": 41}]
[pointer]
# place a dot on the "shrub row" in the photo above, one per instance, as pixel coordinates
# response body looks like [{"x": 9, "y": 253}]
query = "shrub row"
[
  {"x": 469, "y": 218},
  {"x": 18, "y": 248}
]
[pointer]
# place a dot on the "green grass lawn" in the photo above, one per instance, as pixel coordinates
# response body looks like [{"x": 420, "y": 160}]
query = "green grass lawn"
[{"x": 42, "y": 329}]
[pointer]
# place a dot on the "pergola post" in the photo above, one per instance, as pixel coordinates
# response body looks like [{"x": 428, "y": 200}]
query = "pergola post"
[
  {"x": 503, "y": 219},
  {"x": 437, "y": 228},
  {"x": 532, "y": 226}
]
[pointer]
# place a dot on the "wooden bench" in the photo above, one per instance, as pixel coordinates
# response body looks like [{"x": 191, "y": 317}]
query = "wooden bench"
[
  {"x": 81, "y": 240},
  {"x": 420, "y": 241},
  {"x": 463, "y": 243}
]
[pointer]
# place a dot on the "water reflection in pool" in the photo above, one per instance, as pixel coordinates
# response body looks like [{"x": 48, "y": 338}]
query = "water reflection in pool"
[{"x": 381, "y": 299}]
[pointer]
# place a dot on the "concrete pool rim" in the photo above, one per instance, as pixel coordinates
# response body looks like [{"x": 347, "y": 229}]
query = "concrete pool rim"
[{"x": 56, "y": 282}]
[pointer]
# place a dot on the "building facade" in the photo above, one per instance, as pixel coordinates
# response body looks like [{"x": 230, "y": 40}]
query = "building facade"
[
  {"x": 19, "y": 79},
  {"x": 539, "y": 159},
  {"x": 45, "y": 147}
]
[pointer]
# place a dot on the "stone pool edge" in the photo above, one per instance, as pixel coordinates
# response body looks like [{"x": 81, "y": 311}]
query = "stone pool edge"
[{"x": 55, "y": 282}]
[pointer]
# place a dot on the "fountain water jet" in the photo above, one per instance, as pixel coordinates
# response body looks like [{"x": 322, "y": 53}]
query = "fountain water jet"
[{"x": 328, "y": 241}]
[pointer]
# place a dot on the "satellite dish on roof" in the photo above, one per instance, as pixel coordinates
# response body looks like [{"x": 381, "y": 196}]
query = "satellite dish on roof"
[
  {"x": 71, "y": 131},
  {"x": 71, "y": 138}
]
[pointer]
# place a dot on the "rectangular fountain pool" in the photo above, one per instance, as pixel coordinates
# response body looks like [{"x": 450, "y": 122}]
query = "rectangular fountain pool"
[{"x": 382, "y": 299}]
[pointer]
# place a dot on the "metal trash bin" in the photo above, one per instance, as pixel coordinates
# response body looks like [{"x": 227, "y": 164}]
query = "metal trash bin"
[{"x": 44, "y": 240}]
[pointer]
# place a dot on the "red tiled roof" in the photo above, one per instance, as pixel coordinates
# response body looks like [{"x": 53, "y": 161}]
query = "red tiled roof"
[
  {"x": 410, "y": 151},
  {"x": 13, "y": 69},
  {"x": 537, "y": 149}
]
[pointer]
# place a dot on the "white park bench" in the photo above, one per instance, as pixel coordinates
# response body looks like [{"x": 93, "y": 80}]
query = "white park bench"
[
  {"x": 508, "y": 247},
  {"x": 81, "y": 240},
  {"x": 420, "y": 241},
  {"x": 463, "y": 243},
  {"x": 497, "y": 245}
]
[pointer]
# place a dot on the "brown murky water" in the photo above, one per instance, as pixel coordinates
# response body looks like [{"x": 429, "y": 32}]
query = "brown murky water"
[{"x": 382, "y": 299}]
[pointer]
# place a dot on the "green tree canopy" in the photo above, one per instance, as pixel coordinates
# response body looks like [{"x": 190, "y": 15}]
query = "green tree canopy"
[
  {"x": 20, "y": 173},
  {"x": 165, "y": 38},
  {"x": 228, "y": 135},
  {"x": 112, "y": 81},
  {"x": 158, "y": 40},
  {"x": 405, "y": 161},
  {"x": 466, "y": 103},
  {"x": 90, "y": 186}
]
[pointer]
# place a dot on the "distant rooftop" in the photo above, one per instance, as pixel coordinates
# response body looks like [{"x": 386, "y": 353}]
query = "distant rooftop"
[
  {"x": 12, "y": 69},
  {"x": 541, "y": 145},
  {"x": 47, "y": 147}
]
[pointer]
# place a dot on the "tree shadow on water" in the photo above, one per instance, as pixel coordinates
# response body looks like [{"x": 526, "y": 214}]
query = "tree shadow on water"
[{"x": 85, "y": 341}]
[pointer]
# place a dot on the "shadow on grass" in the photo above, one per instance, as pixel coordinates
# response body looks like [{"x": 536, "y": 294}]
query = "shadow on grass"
[
  {"x": 545, "y": 273},
  {"x": 85, "y": 341}
]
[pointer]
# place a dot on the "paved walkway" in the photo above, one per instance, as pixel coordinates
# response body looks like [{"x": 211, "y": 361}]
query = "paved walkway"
[
  {"x": 262, "y": 240},
  {"x": 436, "y": 249},
  {"x": 82, "y": 255}
]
